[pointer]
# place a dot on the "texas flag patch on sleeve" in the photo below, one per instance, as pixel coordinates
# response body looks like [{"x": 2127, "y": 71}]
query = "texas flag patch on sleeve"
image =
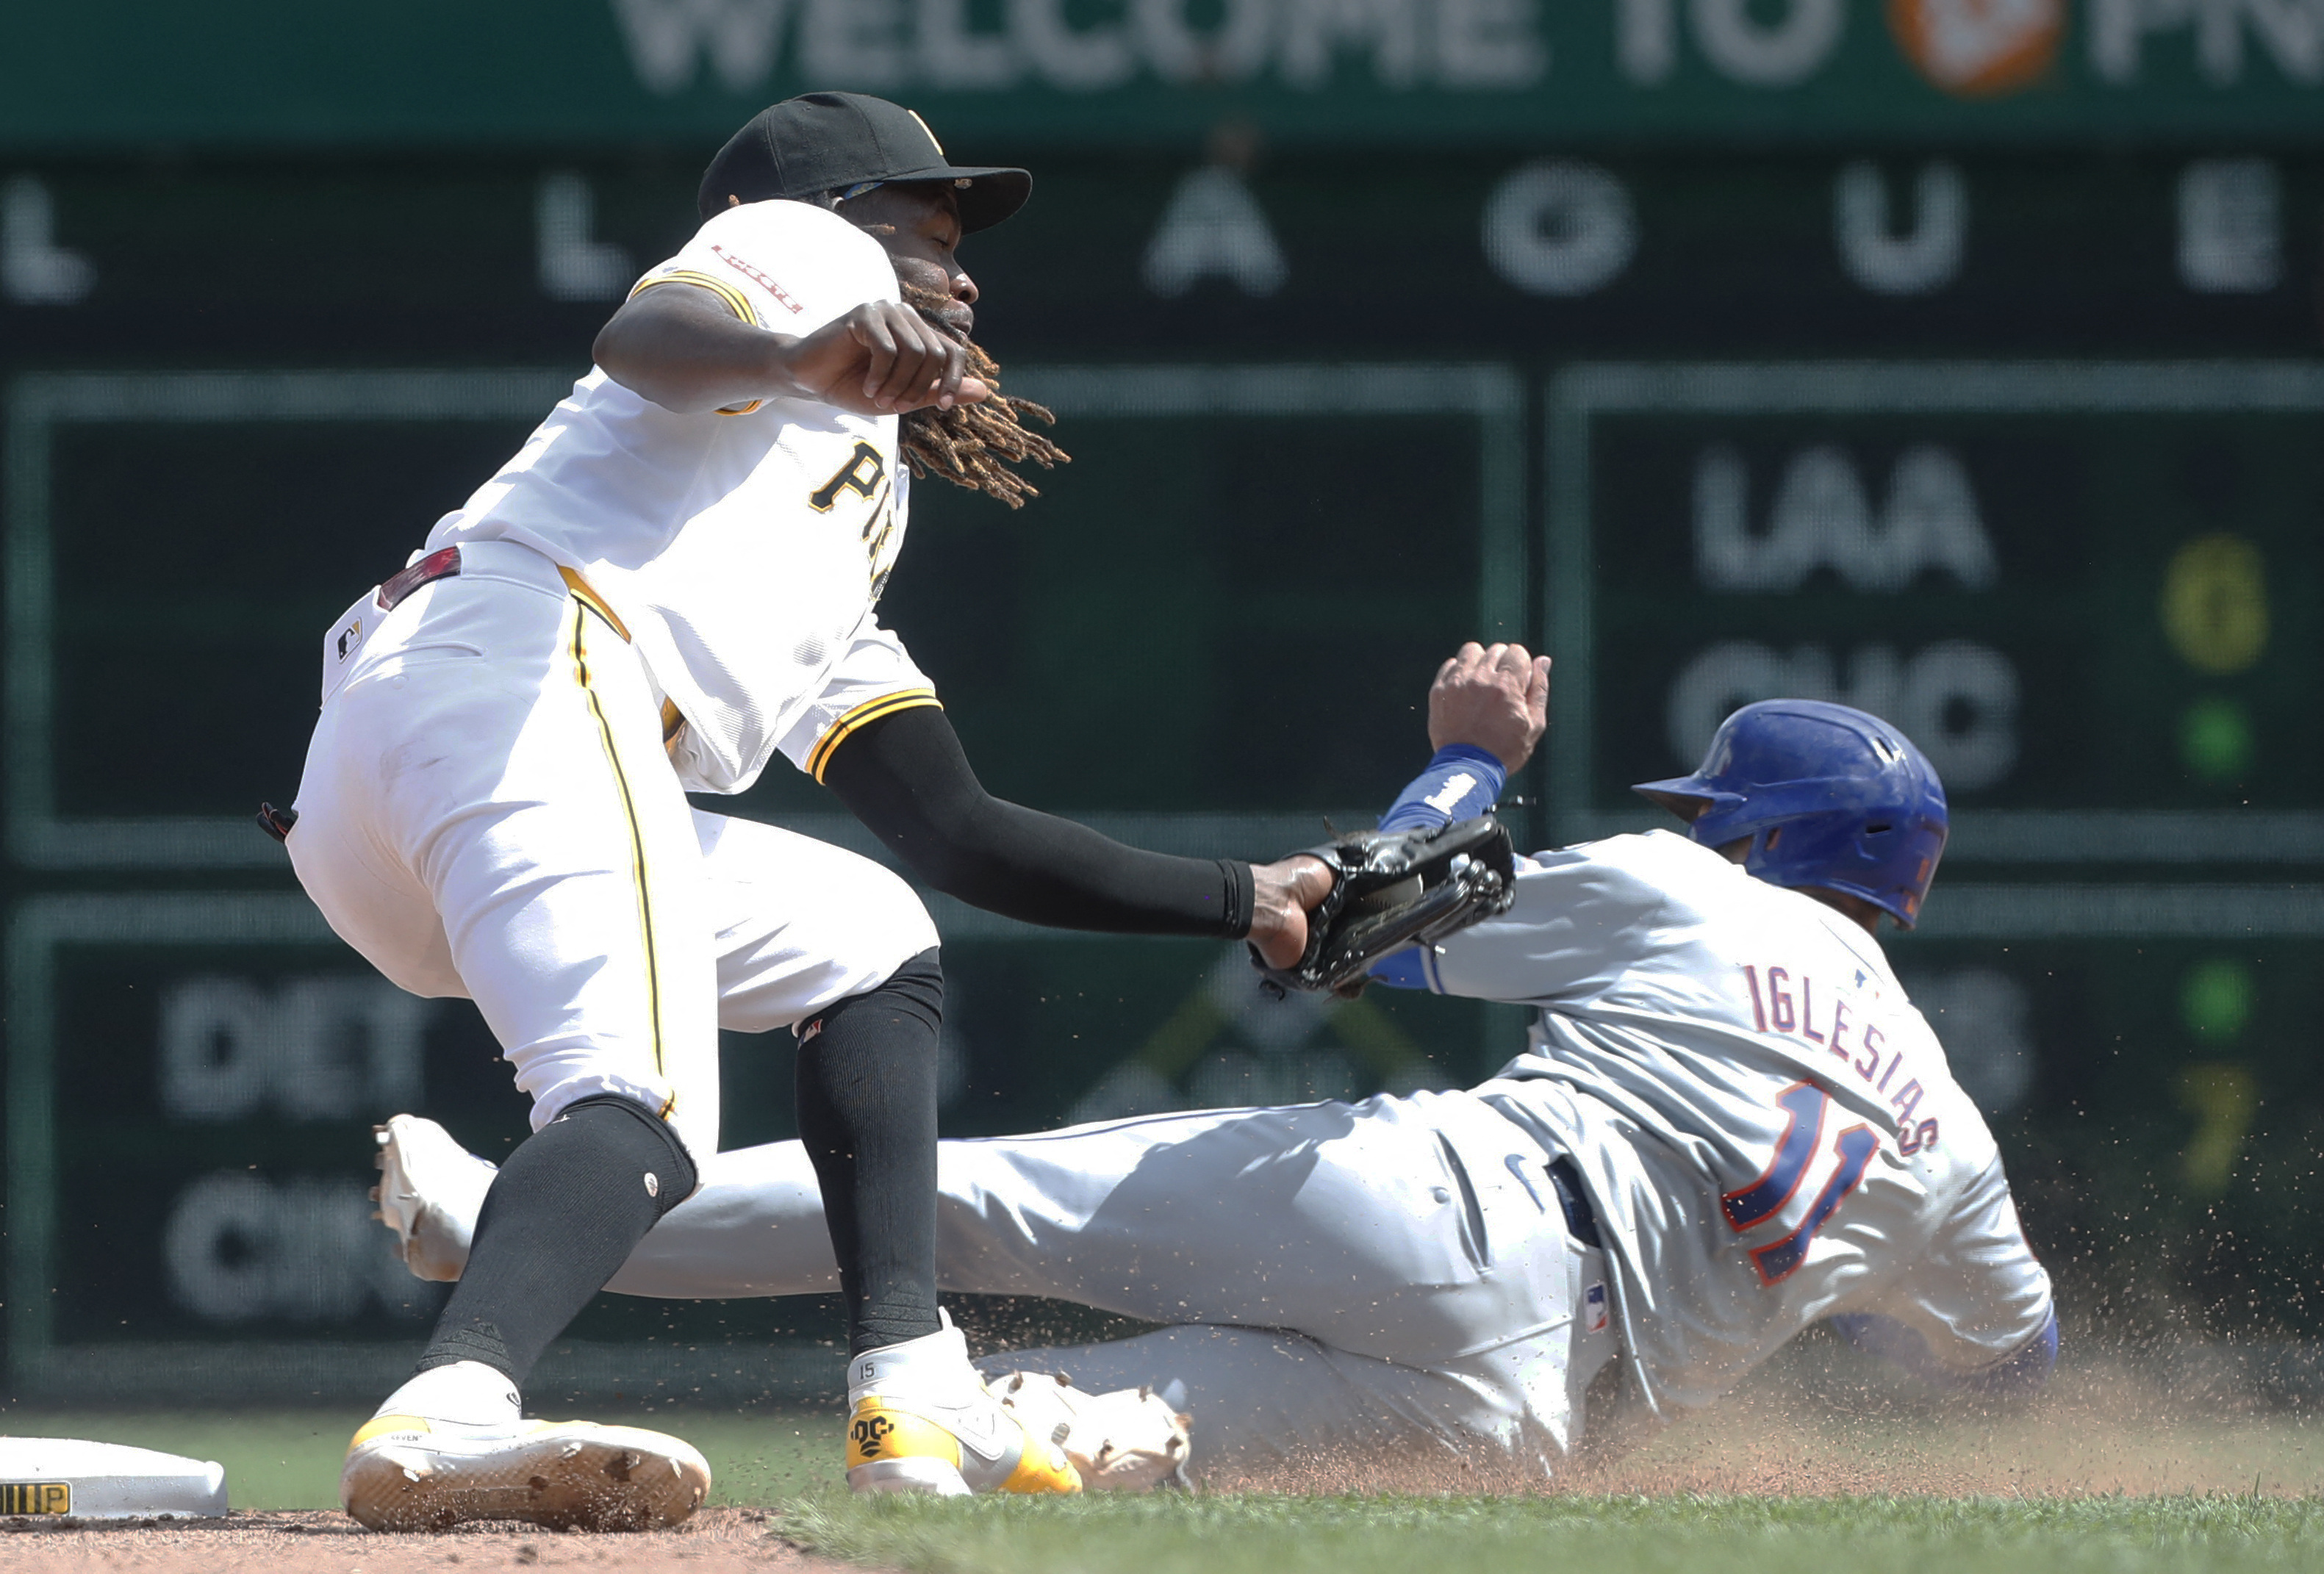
[{"x": 1593, "y": 1308}]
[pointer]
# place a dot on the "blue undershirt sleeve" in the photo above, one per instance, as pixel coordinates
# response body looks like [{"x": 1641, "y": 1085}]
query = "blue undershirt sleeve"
[
  {"x": 1460, "y": 783},
  {"x": 1401, "y": 971}
]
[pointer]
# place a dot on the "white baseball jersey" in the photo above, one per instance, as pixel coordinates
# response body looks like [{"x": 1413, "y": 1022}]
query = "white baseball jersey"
[
  {"x": 487, "y": 813},
  {"x": 744, "y": 555},
  {"x": 1767, "y": 1128}
]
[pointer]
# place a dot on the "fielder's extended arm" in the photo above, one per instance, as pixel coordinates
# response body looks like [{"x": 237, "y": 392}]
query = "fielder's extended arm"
[{"x": 906, "y": 778}]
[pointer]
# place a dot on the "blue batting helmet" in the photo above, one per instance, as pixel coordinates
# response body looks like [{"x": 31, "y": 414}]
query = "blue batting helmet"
[{"x": 1828, "y": 795}]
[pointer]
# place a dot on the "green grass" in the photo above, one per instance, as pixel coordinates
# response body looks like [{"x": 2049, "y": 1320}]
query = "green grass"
[
  {"x": 1833, "y": 1500},
  {"x": 1688, "y": 1534}
]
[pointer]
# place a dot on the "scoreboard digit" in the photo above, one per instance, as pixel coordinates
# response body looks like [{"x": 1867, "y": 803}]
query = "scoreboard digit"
[{"x": 2080, "y": 587}]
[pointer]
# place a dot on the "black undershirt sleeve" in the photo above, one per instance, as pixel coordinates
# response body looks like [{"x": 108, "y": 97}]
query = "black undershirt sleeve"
[{"x": 904, "y": 776}]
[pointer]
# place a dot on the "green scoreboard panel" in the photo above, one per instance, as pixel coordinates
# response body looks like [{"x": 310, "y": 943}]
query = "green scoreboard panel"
[
  {"x": 2078, "y": 586},
  {"x": 209, "y": 1063},
  {"x": 2056, "y": 510}
]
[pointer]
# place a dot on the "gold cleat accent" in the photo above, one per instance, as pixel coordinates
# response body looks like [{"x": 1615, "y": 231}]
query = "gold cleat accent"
[
  {"x": 892, "y": 1447},
  {"x": 920, "y": 1419}
]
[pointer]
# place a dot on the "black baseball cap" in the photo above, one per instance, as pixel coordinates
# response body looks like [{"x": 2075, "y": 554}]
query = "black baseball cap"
[{"x": 828, "y": 141}]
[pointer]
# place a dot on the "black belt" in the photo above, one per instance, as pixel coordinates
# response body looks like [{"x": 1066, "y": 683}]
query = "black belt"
[
  {"x": 441, "y": 564},
  {"x": 1581, "y": 1218}
]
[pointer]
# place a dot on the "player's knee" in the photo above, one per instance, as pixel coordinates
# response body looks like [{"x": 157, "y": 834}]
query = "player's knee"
[
  {"x": 621, "y": 1124},
  {"x": 915, "y": 989}
]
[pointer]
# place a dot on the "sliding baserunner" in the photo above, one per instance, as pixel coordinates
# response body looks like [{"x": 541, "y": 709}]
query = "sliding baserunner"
[{"x": 1728, "y": 1122}]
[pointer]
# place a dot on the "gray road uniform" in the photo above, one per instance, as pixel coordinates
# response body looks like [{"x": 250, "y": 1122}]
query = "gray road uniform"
[
  {"x": 1729, "y": 1123},
  {"x": 1763, "y": 1130},
  {"x": 1767, "y": 1129}
]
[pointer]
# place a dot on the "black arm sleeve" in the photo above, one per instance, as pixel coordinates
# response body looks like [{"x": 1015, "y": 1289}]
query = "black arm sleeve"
[{"x": 904, "y": 776}]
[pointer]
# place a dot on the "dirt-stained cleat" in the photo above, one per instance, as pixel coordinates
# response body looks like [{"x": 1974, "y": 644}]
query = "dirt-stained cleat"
[
  {"x": 1125, "y": 1440},
  {"x": 408, "y": 1473},
  {"x": 430, "y": 1190},
  {"x": 921, "y": 1419}
]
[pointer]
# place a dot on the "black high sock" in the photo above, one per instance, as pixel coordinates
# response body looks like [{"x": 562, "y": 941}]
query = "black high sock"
[
  {"x": 563, "y": 1215},
  {"x": 867, "y": 1112}
]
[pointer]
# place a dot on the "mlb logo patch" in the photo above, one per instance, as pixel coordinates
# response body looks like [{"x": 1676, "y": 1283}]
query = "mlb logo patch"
[
  {"x": 349, "y": 637},
  {"x": 1593, "y": 1308}
]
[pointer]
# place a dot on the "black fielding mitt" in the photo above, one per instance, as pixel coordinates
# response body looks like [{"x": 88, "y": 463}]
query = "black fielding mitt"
[{"x": 1394, "y": 889}]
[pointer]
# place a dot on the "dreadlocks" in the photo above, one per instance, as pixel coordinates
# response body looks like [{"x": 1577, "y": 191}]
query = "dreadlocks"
[{"x": 969, "y": 444}]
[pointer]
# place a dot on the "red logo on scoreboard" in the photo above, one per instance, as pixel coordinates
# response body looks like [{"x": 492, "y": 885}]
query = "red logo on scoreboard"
[{"x": 1974, "y": 48}]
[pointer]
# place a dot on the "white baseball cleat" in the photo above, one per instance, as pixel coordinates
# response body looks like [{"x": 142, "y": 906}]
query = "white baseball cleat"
[
  {"x": 430, "y": 1190},
  {"x": 920, "y": 1419},
  {"x": 1127, "y": 1441},
  {"x": 408, "y": 1473}
]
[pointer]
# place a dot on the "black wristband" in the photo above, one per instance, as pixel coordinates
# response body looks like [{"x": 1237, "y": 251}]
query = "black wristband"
[{"x": 1242, "y": 897}]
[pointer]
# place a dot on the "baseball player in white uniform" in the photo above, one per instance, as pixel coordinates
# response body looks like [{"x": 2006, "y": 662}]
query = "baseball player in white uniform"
[
  {"x": 673, "y": 581},
  {"x": 1728, "y": 1122}
]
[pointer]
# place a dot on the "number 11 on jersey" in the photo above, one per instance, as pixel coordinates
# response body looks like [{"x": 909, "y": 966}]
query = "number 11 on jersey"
[{"x": 1803, "y": 1105}]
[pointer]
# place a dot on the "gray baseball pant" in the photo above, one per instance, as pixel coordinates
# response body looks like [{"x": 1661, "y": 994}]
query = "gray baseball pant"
[{"x": 1393, "y": 1276}]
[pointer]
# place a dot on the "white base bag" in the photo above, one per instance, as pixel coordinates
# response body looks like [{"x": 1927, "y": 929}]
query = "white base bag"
[{"x": 69, "y": 1478}]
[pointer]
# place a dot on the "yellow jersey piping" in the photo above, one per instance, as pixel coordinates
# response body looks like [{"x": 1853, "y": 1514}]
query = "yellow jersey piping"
[
  {"x": 736, "y": 302},
  {"x": 637, "y": 838},
  {"x": 594, "y": 601},
  {"x": 818, "y": 758}
]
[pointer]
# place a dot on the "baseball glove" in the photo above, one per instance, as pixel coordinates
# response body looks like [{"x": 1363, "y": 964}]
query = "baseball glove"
[{"x": 1394, "y": 889}]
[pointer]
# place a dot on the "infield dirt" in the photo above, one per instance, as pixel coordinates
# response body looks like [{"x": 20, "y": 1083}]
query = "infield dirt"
[
  {"x": 2098, "y": 1433},
  {"x": 712, "y": 1542}
]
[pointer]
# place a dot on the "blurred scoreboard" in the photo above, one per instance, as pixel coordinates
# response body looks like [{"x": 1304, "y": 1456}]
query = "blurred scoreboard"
[
  {"x": 2026, "y": 453},
  {"x": 2078, "y": 586}
]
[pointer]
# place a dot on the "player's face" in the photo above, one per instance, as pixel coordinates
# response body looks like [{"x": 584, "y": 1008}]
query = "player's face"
[{"x": 919, "y": 224}]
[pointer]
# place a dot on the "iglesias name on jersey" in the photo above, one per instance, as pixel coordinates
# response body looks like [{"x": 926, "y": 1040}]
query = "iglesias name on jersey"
[
  {"x": 745, "y": 549},
  {"x": 1767, "y": 1127}
]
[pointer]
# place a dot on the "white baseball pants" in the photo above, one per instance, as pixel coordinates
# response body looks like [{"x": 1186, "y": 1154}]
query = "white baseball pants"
[
  {"x": 1393, "y": 1277},
  {"x": 487, "y": 813}
]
